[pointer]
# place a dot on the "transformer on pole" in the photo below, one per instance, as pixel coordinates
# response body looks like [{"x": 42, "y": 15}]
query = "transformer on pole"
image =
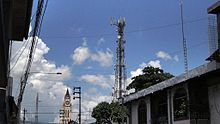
[{"x": 120, "y": 69}]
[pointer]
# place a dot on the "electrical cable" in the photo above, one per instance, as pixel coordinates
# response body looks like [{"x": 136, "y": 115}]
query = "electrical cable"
[
  {"x": 18, "y": 57},
  {"x": 42, "y": 17},
  {"x": 128, "y": 32},
  {"x": 17, "y": 52}
]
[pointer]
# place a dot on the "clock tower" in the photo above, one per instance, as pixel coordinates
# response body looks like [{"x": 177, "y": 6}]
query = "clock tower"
[{"x": 66, "y": 111}]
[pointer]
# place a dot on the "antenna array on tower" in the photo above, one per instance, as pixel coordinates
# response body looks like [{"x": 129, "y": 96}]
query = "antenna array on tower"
[{"x": 120, "y": 69}]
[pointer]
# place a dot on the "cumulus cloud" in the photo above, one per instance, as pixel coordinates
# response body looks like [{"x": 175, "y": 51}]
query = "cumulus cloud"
[
  {"x": 154, "y": 63},
  {"x": 80, "y": 54},
  {"x": 51, "y": 87},
  {"x": 104, "y": 58},
  {"x": 83, "y": 53},
  {"x": 166, "y": 56},
  {"x": 163, "y": 55},
  {"x": 99, "y": 80}
]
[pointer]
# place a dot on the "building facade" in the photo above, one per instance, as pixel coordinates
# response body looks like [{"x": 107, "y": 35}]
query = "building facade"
[
  {"x": 66, "y": 111},
  {"x": 181, "y": 100},
  {"x": 14, "y": 25}
]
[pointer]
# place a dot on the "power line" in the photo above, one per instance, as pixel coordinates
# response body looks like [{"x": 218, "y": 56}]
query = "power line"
[
  {"x": 84, "y": 112},
  {"x": 20, "y": 49},
  {"x": 128, "y": 32},
  {"x": 18, "y": 56},
  {"x": 31, "y": 54}
]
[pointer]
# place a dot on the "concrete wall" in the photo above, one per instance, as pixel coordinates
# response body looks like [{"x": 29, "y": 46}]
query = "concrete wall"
[
  {"x": 134, "y": 112},
  {"x": 214, "y": 103}
]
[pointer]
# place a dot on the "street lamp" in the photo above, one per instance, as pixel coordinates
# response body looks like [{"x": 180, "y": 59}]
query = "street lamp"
[{"x": 34, "y": 72}]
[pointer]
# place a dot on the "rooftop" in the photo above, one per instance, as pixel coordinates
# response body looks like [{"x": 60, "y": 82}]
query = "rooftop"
[
  {"x": 197, "y": 72},
  {"x": 215, "y": 8}
]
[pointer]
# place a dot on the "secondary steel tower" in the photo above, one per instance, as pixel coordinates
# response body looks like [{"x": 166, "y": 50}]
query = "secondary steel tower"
[
  {"x": 120, "y": 69},
  {"x": 184, "y": 39}
]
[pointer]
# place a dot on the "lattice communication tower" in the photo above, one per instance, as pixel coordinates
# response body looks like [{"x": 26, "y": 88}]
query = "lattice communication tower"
[{"x": 120, "y": 68}]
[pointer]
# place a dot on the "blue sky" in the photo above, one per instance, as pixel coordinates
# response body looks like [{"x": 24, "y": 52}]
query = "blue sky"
[
  {"x": 67, "y": 23},
  {"x": 77, "y": 38}
]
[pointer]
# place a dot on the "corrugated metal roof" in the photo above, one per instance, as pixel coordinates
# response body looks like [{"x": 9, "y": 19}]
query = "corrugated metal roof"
[{"x": 203, "y": 69}]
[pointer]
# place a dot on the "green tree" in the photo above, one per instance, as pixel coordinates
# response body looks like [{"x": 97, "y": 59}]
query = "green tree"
[
  {"x": 149, "y": 77},
  {"x": 102, "y": 113},
  {"x": 119, "y": 112},
  {"x": 106, "y": 113}
]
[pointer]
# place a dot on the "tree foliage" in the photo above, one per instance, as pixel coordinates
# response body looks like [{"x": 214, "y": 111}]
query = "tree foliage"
[
  {"x": 106, "y": 113},
  {"x": 149, "y": 77}
]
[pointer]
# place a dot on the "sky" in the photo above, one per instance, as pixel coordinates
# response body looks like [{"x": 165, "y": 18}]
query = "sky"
[{"x": 77, "y": 39}]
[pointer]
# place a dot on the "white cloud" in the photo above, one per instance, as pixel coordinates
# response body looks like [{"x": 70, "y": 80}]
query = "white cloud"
[
  {"x": 104, "y": 58},
  {"x": 82, "y": 53},
  {"x": 99, "y": 80},
  {"x": 136, "y": 72},
  {"x": 165, "y": 56},
  {"x": 155, "y": 63},
  {"x": 51, "y": 87}
]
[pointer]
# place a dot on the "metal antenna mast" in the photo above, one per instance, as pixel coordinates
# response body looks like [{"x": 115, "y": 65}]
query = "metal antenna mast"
[
  {"x": 120, "y": 69},
  {"x": 184, "y": 40}
]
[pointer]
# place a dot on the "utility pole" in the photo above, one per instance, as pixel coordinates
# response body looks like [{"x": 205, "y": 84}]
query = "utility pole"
[
  {"x": 24, "y": 111},
  {"x": 24, "y": 78},
  {"x": 120, "y": 69},
  {"x": 77, "y": 90},
  {"x": 36, "y": 112}
]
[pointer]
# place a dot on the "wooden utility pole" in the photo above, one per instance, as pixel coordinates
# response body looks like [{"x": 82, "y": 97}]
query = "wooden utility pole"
[
  {"x": 36, "y": 112},
  {"x": 24, "y": 111}
]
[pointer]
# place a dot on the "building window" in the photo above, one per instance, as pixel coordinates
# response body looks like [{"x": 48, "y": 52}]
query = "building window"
[
  {"x": 180, "y": 104},
  {"x": 162, "y": 110},
  {"x": 142, "y": 113}
]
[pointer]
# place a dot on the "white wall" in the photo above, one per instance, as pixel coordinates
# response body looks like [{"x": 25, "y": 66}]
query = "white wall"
[
  {"x": 214, "y": 103},
  {"x": 148, "y": 110},
  {"x": 134, "y": 111}
]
